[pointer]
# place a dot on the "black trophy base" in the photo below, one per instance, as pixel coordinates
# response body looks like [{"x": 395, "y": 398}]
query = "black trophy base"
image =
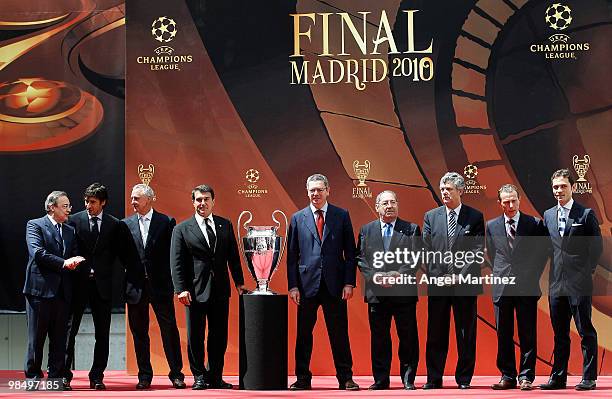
[{"x": 263, "y": 342}]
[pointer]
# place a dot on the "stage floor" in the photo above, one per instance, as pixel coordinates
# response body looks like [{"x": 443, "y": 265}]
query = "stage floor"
[{"x": 121, "y": 385}]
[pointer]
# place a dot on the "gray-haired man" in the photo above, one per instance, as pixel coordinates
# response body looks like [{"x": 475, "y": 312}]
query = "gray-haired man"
[
  {"x": 453, "y": 228},
  {"x": 152, "y": 284}
]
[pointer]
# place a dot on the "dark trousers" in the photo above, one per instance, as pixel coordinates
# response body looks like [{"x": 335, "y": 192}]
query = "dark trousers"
[
  {"x": 562, "y": 309},
  {"x": 138, "y": 318},
  {"x": 438, "y": 325},
  {"x": 379, "y": 316},
  {"x": 87, "y": 292},
  {"x": 336, "y": 321},
  {"x": 526, "y": 308},
  {"x": 46, "y": 316},
  {"x": 216, "y": 311}
]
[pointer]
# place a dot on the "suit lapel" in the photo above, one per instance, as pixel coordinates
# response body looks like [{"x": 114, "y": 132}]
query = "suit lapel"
[
  {"x": 330, "y": 220},
  {"x": 571, "y": 216},
  {"x": 54, "y": 233},
  {"x": 500, "y": 230},
  {"x": 308, "y": 220},
  {"x": 154, "y": 226},
  {"x": 375, "y": 235},
  {"x": 197, "y": 232},
  {"x": 398, "y": 233},
  {"x": 461, "y": 219},
  {"x": 132, "y": 223}
]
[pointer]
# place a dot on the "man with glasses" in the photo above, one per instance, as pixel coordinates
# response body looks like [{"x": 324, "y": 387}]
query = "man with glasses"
[
  {"x": 321, "y": 272},
  {"x": 52, "y": 250},
  {"x": 389, "y": 233}
]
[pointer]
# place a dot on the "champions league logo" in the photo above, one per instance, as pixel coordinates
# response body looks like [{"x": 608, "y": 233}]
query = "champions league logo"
[
  {"x": 252, "y": 190},
  {"x": 558, "y": 17},
  {"x": 164, "y": 30},
  {"x": 361, "y": 173},
  {"x": 471, "y": 184}
]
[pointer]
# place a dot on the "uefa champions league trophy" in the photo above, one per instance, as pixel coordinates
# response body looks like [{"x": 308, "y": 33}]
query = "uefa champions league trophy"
[{"x": 262, "y": 249}]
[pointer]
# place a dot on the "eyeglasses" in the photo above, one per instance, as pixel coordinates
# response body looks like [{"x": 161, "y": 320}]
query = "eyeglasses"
[
  {"x": 66, "y": 206},
  {"x": 388, "y": 203}
]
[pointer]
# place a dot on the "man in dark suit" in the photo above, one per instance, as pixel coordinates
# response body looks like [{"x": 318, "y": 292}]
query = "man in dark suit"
[
  {"x": 203, "y": 247},
  {"x": 452, "y": 229},
  {"x": 100, "y": 237},
  {"x": 151, "y": 283},
  {"x": 576, "y": 242},
  {"x": 52, "y": 250},
  {"x": 389, "y": 233},
  {"x": 321, "y": 271},
  {"x": 516, "y": 248}
]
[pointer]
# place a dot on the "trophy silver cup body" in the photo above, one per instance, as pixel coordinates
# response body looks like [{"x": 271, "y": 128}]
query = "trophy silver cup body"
[{"x": 262, "y": 249}]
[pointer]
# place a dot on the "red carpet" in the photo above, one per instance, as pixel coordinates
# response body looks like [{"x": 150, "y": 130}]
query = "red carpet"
[{"x": 120, "y": 385}]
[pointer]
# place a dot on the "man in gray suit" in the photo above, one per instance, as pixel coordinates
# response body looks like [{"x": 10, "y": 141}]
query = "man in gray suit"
[
  {"x": 389, "y": 233},
  {"x": 576, "y": 247}
]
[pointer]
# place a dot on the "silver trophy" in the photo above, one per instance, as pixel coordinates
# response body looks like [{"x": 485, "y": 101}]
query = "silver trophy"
[{"x": 262, "y": 249}]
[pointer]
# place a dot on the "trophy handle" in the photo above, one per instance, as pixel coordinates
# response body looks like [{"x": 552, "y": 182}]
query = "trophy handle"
[
  {"x": 280, "y": 255},
  {"x": 240, "y": 243}
]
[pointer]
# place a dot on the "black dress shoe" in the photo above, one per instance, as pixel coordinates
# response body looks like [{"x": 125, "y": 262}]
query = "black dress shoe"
[
  {"x": 553, "y": 384},
  {"x": 66, "y": 385},
  {"x": 586, "y": 385},
  {"x": 98, "y": 385},
  {"x": 199, "y": 385},
  {"x": 377, "y": 386},
  {"x": 432, "y": 385},
  {"x": 143, "y": 384},
  {"x": 464, "y": 386},
  {"x": 300, "y": 385},
  {"x": 409, "y": 386},
  {"x": 349, "y": 385},
  {"x": 503, "y": 384},
  {"x": 178, "y": 383},
  {"x": 220, "y": 385}
]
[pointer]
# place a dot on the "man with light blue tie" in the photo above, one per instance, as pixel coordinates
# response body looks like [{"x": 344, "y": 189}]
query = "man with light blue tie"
[
  {"x": 386, "y": 302},
  {"x": 576, "y": 247}
]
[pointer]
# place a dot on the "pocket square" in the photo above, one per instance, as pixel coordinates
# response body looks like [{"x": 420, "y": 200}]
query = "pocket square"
[{"x": 576, "y": 224}]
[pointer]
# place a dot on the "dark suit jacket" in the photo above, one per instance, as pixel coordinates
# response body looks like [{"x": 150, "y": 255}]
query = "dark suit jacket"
[
  {"x": 525, "y": 261},
  {"x": 575, "y": 255},
  {"x": 193, "y": 262},
  {"x": 99, "y": 255},
  {"x": 309, "y": 259},
  {"x": 469, "y": 236},
  {"x": 406, "y": 235},
  {"x": 154, "y": 259},
  {"x": 45, "y": 272}
]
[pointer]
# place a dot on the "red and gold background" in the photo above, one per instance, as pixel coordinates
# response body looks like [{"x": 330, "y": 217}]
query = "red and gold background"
[{"x": 222, "y": 103}]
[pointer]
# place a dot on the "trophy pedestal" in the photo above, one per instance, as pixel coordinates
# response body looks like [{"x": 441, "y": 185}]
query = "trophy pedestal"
[{"x": 263, "y": 342}]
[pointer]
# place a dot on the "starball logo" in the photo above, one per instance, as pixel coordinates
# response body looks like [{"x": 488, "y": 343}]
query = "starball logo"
[
  {"x": 164, "y": 30},
  {"x": 251, "y": 189},
  {"x": 558, "y": 17},
  {"x": 471, "y": 184}
]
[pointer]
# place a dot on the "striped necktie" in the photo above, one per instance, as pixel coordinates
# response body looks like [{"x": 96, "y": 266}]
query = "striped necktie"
[
  {"x": 452, "y": 227},
  {"x": 511, "y": 233},
  {"x": 562, "y": 220}
]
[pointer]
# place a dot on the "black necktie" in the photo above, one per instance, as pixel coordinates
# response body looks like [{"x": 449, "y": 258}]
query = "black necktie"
[
  {"x": 212, "y": 239},
  {"x": 95, "y": 230},
  {"x": 61, "y": 241}
]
